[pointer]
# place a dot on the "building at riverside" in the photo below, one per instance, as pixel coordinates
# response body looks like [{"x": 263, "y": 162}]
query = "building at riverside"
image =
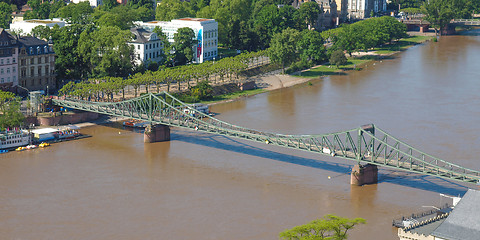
[{"x": 206, "y": 34}]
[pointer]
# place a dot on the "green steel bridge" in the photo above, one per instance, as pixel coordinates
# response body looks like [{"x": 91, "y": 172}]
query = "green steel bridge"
[{"x": 366, "y": 144}]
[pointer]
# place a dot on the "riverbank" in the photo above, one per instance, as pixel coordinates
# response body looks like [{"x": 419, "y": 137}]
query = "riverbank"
[{"x": 275, "y": 80}]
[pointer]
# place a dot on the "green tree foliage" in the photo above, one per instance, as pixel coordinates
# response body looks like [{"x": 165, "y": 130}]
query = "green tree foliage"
[
  {"x": 120, "y": 16},
  {"x": 183, "y": 45},
  {"x": 283, "y": 48},
  {"x": 365, "y": 34},
  {"x": 68, "y": 62},
  {"x": 173, "y": 9},
  {"x": 440, "y": 12},
  {"x": 10, "y": 115},
  {"x": 309, "y": 12},
  {"x": 107, "y": 52},
  {"x": 330, "y": 227},
  {"x": 5, "y": 15},
  {"x": 167, "y": 54},
  {"x": 338, "y": 58},
  {"x": 311, "y": 47},
  {"x": 76, "y": 13}
]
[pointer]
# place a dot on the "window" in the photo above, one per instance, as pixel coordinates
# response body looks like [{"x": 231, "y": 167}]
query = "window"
[
  {"x": 46, "y": 70},
  {"x": 8, "y": 60},
  {"x": 46, "y": 59},
  {"x": 146, "y": 46},
  {"x": 13, "y": 60},
  {"x": 39, "y": 59},
  {"x": 8, "y": 79},
  {"x": 31, "y": 50},
  {"x": 23, "y": 72},
  {"x": 32, "y": 61},
  {"x": 138, "y": 46},
  {"x": 1, "y": 71},
  {"x": 2, "y": 80},
  {"x": 8, "y": 70},
  {"x": 157, "y": 44},
  {"x": 13, "y": 69},
  {"x": 45, "y": 49},
  {"x": 150, "y": 55},
  {"x": 14, "y": 78},
  {"x": 32, "y": 71},
  {"x": 39, "y": 70},
  {"x": 1, "y": 62},
  {"x": 23, "y": 51}
]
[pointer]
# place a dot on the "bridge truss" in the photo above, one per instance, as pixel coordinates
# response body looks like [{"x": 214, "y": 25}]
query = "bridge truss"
[{"x": 366, "y": 144}]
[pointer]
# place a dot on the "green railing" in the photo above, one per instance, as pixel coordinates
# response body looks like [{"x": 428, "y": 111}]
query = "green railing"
[{"x": 366, "y": 144}]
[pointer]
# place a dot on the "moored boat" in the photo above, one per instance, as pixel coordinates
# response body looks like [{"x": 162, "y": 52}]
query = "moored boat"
[{"x": 14, "y": 139}]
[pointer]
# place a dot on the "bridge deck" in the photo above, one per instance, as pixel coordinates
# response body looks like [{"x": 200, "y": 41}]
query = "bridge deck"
[{"x": 366, "y": 144}]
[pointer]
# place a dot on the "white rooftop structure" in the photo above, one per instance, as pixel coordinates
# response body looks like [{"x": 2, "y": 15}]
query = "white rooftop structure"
[
  {"x": 93, "y": 3},
  {"x": 26, "y": 26},
  {"x": 206, "y": 31}
]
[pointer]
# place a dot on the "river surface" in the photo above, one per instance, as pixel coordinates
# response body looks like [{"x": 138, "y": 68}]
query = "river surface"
[{"x": 202, "y": 186}]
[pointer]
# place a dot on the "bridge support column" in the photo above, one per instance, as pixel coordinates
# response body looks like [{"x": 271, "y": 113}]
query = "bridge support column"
[
  {"x": 156, "y": 133},
  {"x": 364, "y": 174}
]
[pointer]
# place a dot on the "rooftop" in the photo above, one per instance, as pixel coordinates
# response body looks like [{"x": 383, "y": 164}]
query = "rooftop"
[
  {"x": 195, "y": 19},
  {"x": 31, "y": 41},
  {"x": 44, "y": 21},
  {"x": 464, "y": 220}
]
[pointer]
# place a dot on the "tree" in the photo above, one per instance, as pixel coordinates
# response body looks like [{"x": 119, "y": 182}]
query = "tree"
[
  {"x": 311, "y": 47},
  {"x": 439, "y": 13},
  {"x": 338, "y": 58},
  {"x": 107, "y": 51},
  {"x": 173, "y": 9},
  {"x": 5, "y": 15},
  {"x": 76, "y": 13},
  {"x": 330, "y": 227},
  {"x": 68, "y": 62},
  {"x": 309, "y": 12},
  {"x": 183, "y": 45},
  {"x": 167, "y": 55},
  {"x": 283, "y": 48},
  {"x": 10, "y": 114}
]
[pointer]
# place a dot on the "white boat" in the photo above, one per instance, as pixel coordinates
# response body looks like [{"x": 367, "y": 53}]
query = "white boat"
[
  {"x": 198, "y": 107},
  {"x": 14, "y": 139}
]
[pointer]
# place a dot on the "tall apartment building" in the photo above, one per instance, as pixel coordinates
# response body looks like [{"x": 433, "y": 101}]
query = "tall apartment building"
[
  {"x": 8, "y": 61},
  {"x": 206, "y": 32},
  {"x": 147, "y": 46},
  {"x": 36, "y": 64},
  {"x": 360, "y": 9}
]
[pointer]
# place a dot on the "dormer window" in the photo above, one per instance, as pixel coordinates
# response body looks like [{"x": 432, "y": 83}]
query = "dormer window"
[
  {"x": 31, "y": 50},
  {"x": 38, "y": 50},
  {"x": 45, "y": 49}
]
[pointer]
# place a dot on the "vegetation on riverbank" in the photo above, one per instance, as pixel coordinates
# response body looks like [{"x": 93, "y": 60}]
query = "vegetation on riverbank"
[{"x": 356, "y": 62}]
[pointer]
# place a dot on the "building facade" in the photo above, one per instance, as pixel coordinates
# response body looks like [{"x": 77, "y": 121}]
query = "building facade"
[
  {"x": 147, "y": 46},
  {"x": 360, "y": 9},
  {"x": 206, "y": 32},
  {"x": 36, "y": 61},
  {"x": 93, "y": 3},
  {"x": 8, "y": 61},
  {"x": 25, "y": 27}
]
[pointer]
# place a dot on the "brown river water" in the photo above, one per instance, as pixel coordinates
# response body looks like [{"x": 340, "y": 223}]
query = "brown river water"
[{"x": 202, "y": 186}]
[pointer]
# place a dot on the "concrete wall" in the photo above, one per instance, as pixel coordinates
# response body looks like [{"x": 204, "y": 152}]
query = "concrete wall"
[{"x": 58, "y": 119}]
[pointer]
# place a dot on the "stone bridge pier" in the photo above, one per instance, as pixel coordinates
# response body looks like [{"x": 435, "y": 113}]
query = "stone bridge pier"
[
  {"x": 364, "y": 174},
  {"x": 156, "y": 133}
]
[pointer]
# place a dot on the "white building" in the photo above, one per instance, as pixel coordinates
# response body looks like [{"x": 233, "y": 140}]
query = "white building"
[
  {"x": 93, "y": 3},
  {"x": 147, "y": 45},
  {"x": 26, "y": 26},
  {"x": 206, "y": 31},
  {"x": 360, "y": 9}
]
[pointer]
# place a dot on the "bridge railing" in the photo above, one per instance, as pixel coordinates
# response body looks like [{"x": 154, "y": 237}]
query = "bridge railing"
[{"x": 365, "y": 144}]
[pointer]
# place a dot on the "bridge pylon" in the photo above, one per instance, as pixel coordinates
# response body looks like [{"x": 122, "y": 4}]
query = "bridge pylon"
[
  {"x": 364, "y": 174},
  {"x": 156, "y": 133}
]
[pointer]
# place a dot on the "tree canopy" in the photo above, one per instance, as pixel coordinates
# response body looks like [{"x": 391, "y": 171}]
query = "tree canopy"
[
  {"x": 330, "y": 227},
  {"x": 10, "y": 115}
]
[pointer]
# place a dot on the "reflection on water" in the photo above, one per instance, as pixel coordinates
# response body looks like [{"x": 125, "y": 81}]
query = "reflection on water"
[{"x": 113, "y": 186}]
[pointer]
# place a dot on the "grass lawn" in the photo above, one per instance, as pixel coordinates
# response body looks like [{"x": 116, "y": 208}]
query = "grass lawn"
[
  {"x": 402, "y": 44},
  {"x": 235, "y": 95},
  {"x": 325, "y": 70}
]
